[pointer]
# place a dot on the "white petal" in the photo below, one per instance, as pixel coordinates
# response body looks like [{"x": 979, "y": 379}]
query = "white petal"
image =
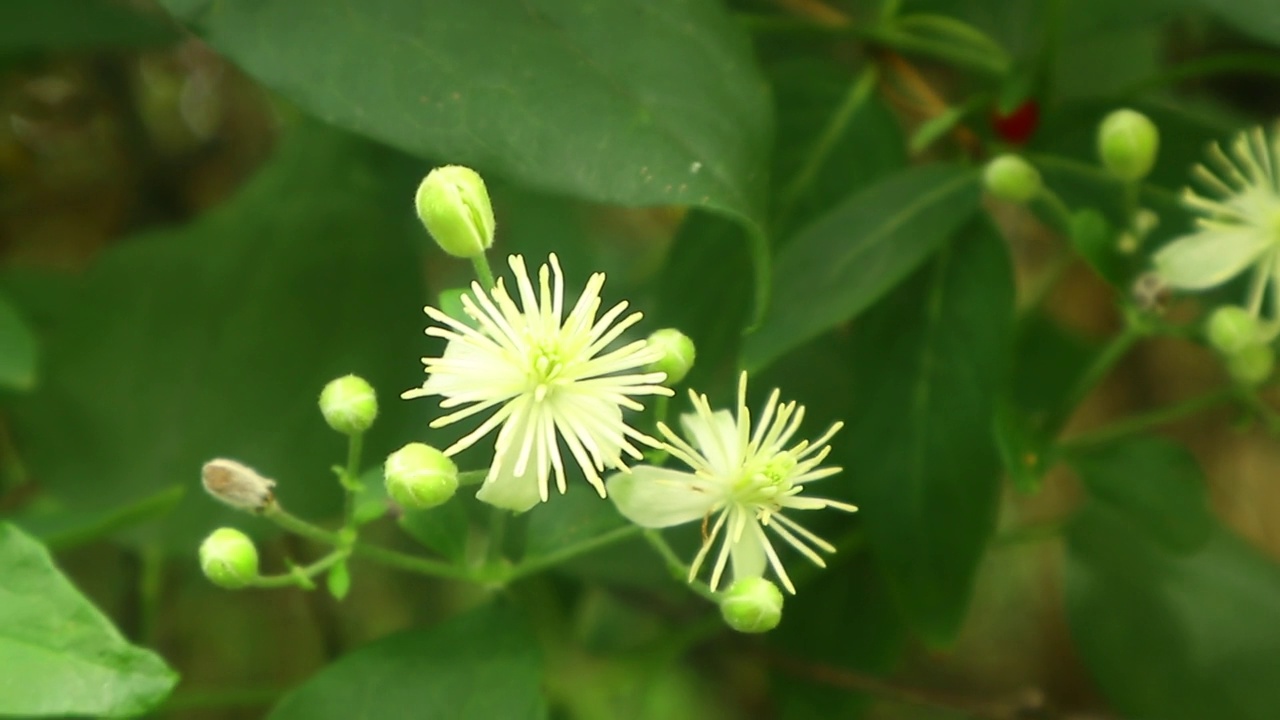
[
  {"x": 1209, "y": 257},
  {"x": 716, "y": 436},
  {"x": 747, "y": 554},
  {"x": 506, "y": 490},
  {"x": 655, "y": 497}
]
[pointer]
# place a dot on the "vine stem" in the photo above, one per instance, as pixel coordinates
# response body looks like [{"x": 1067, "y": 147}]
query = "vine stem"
[
  {"x": 1102, "y": 365},
  {"x": 571, "y": 551},
  {"x": 1135, "y": 424},
  {"x": 484, "y": 273},
  {"x": 301, "y": 576},
  {"x": 678, "y": 569}
]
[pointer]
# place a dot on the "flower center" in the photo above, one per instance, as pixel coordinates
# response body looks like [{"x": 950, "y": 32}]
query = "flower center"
[
  {"x": 764, "y": 482},
  {"x": 546, "y": 373}
]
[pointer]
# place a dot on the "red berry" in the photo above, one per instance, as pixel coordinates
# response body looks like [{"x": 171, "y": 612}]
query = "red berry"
[{"x": 1018, "y": 126}]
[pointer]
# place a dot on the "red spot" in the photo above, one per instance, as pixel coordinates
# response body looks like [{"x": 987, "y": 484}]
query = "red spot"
[{"x": 1018, "y": 126}]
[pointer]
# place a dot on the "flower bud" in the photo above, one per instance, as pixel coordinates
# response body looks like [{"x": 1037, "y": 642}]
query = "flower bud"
[
  {"x": 752, "y": 605},
  {"x": 237, "y": 485},
  {"x": 1011, "y": 178},
  {"x": 453, "y": 204},
  {"x": 1252, "y": 365},
  {"x": 1232, "y": 329},
  {"x": 419, "y": 477},
  {"x": 678, "y": 354},
  {"x": 349, "y": 405},
  {"x": 229, "y": 558},
  {"x": 1128, "y": 143}
]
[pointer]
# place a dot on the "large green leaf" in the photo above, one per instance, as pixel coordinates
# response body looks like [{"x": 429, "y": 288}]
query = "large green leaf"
[
  {"x": 850, "y": 257},
  {"x": 635, "y": 103},
  {"x": 60, "y": 655},
  {"x": 478, "y": 666},
  {"x": 921, "y": 452},
  {"x": 1168, "y": 635},
  {"x": 17, "y": 350},
  {"x": 215, "y": 339}
]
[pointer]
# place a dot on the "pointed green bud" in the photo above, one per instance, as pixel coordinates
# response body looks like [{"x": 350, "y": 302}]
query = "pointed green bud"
[
  {"x": 453, "y": 204},
  {"x": 678, "y": 354},
  {"x": 419, "y": 477},
  {"x": 349, "y": 405},
  {"x": 1252, "y": 365},
  {"x": 1231, "y": 329},
  {"x": 229, "y": 559},
  {"x": 1128, "y": 143},
  {"x": 1011, "y": 178},
  {"x": 752, "y": 605}
]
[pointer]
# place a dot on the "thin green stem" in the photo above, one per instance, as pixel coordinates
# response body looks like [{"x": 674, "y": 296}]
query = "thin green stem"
[
  {"x": 970, "y": 57},
  {"x": 1097, "y": 174},
  {"x": 1058, "y": 209},
  {"x": 1102, "y": 365},
  {"x": 676, "y": 566},
  {"x": 483, "y": 272},
  {"x": 301, "y": 576},
  {"x": 569, "y": 552},
  {"x": 1251, "y": 63},
  {"x": 1135, "y": 424}
]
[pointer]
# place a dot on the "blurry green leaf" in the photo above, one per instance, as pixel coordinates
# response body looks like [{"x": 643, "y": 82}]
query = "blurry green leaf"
[
  {"x": 32, "y": 25},
  {"x": 371, "y": 501},
  {"x": 339, "y": 581},
  {"x": 1168, "y": 635},
  {"x": 1251, "y": 17},
  {"x": 1155, "y": 484},
  {"x": 481, "y": 665},
  {"x": 17, "y": 350},
  {"x": 566, "y": 520},
  {"x": 60, "y": 655},
  {"x": 847, "y": 259},
  {"x": 631, "y": 103},
  {"x": 215, "y": 339},
  {"x": 443, "y": 529},
  {"x": 60, "y": 530},
  {"x": 932, "y": 357}
]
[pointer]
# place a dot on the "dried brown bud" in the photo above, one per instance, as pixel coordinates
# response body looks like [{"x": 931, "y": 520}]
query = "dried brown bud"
[{"x": 238, "y": 485}]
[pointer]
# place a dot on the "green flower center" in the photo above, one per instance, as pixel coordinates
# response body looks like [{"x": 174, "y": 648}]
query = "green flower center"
[
  {"x": 764, "y": 482},
  {"x": 547, "y": 371}
]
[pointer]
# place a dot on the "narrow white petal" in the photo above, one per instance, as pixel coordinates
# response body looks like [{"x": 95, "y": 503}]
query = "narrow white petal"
[
  {"x": 1206, "y": 259},
  {"x": 655, "y": 497}
]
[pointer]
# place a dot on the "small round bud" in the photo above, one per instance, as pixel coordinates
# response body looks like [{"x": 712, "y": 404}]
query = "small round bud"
[
  {"x": 1232, "y": 329},
  {"x": 1128, "y": 143},
  {"x": 678, "y": 354},
  {"x": 1252, "y": 365},
  {"x": 349, "y": 405},
  {"x": 752, "y": 605},
  {"x": 453, "y": 204},
  {"x": 419, "y": 477},
  {"x": 229, "y": 558},
  {"x": 237, "y": 485},
  {"x": 1011, "y": 178}
]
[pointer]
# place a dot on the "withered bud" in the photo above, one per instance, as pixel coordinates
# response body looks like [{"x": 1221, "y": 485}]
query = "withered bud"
[{"x": 238, "y": 485}]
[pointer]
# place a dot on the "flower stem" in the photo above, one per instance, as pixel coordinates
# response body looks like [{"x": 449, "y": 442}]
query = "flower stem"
[
  {"x": 571, "y": 551},
  {"x": 301, "y": 576},
  {"x": 351, "y": 480},
  {"x": 678, "y": 569},
  {"x": 483, "y": 272},
  {"x": 1145, "y": 421},
  {"x": 1102, "y": 365}
]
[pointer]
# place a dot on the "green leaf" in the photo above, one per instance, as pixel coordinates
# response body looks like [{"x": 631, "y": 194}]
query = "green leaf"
[
  {"x": 60, "y": 655},
  {"x": 1175, "y": 636},
  {"x": 17, "y": 350},
  {"x": 1155, "y": 484},
  {"x": 932, "y": 358},
  {"x": 33, "y": 25},
  {"x": 339, "y": 581},
  {"x": 60, "y": 530},
  {"x": 847, "y": 259},
  {"x": 1253, "y": 18},
  {"x": 573, "y": 518},
  {"x": 214, "y": 339},
  {"x": 630, "y": 103},
  {"x": 478, "y": 666},
  {"x": 443, "y": 529}
]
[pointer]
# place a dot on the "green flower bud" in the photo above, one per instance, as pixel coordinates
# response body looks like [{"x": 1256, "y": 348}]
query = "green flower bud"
[
  {"x": 1011, "y": 178},
  {"x": 1128, "y": 143},
  {"x": 752, "y": 605},
  {"x": 678, "y": 354},
  {"x": 453, "y": 204},
  {"x": 1252, "y": 365},
  {"x": 229, "y": 558},
  {"x": 419, "y": 477},
  {"x": 1232, "y": 329},
  {"x": 349, "y": 405}
]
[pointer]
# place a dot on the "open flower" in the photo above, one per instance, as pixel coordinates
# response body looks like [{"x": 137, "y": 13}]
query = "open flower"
[
  {"x": 1239, "y": 227},
  {"x": 546, "y": 377},
  {"x": 745, "y": 478}
]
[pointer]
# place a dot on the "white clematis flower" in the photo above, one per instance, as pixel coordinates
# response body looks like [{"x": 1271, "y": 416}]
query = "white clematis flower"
[
  {"x": 546, "y": 377},
  {"x": 746, "y": 478},
  {"x": 1239, "y": 227}
]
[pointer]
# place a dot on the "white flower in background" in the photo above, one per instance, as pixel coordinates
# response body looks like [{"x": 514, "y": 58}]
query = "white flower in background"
[
  {"x": 746, "y": 478},
  {"x": 546, "y": 377},
  {"x": 1239, "y": 227}
]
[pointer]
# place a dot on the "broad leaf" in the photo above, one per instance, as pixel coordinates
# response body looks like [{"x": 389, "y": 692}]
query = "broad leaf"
[
  {"x": 478, "y": 666},
  {"x": 850, "y": 257},
  {"x": 60, "y": 655},
  {"x": 931, "y": 358},
  {"x": 17, "y": 350}
]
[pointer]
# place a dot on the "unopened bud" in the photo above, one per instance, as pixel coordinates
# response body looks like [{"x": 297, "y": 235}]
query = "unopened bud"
[
  {"x": 1231, "y": 329},
  {"x": 349, "y": 405},
  {"x": 237, "y": 485},
  {"x": 752, "y": 605},
  {"x": 1011, "y": 178},
  {"x": 678, "y": 354},
  {"x": 1252, "y": 365},
  {"x": 419, "y": 477},
  {"x": 453, "y": 204},
  {"x": 229, "y": 559},
  {"x": 1128, "y": 143}
]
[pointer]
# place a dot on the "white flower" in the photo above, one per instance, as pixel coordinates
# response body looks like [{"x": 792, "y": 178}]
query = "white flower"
[
  {"x": 1239, "y": 230},
  {"x": 745, "y": 478},
  {"x": 547, "y": 377}
]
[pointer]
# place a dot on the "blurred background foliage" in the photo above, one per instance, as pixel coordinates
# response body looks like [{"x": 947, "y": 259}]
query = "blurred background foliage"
[{"x": 205, "y": 215}]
